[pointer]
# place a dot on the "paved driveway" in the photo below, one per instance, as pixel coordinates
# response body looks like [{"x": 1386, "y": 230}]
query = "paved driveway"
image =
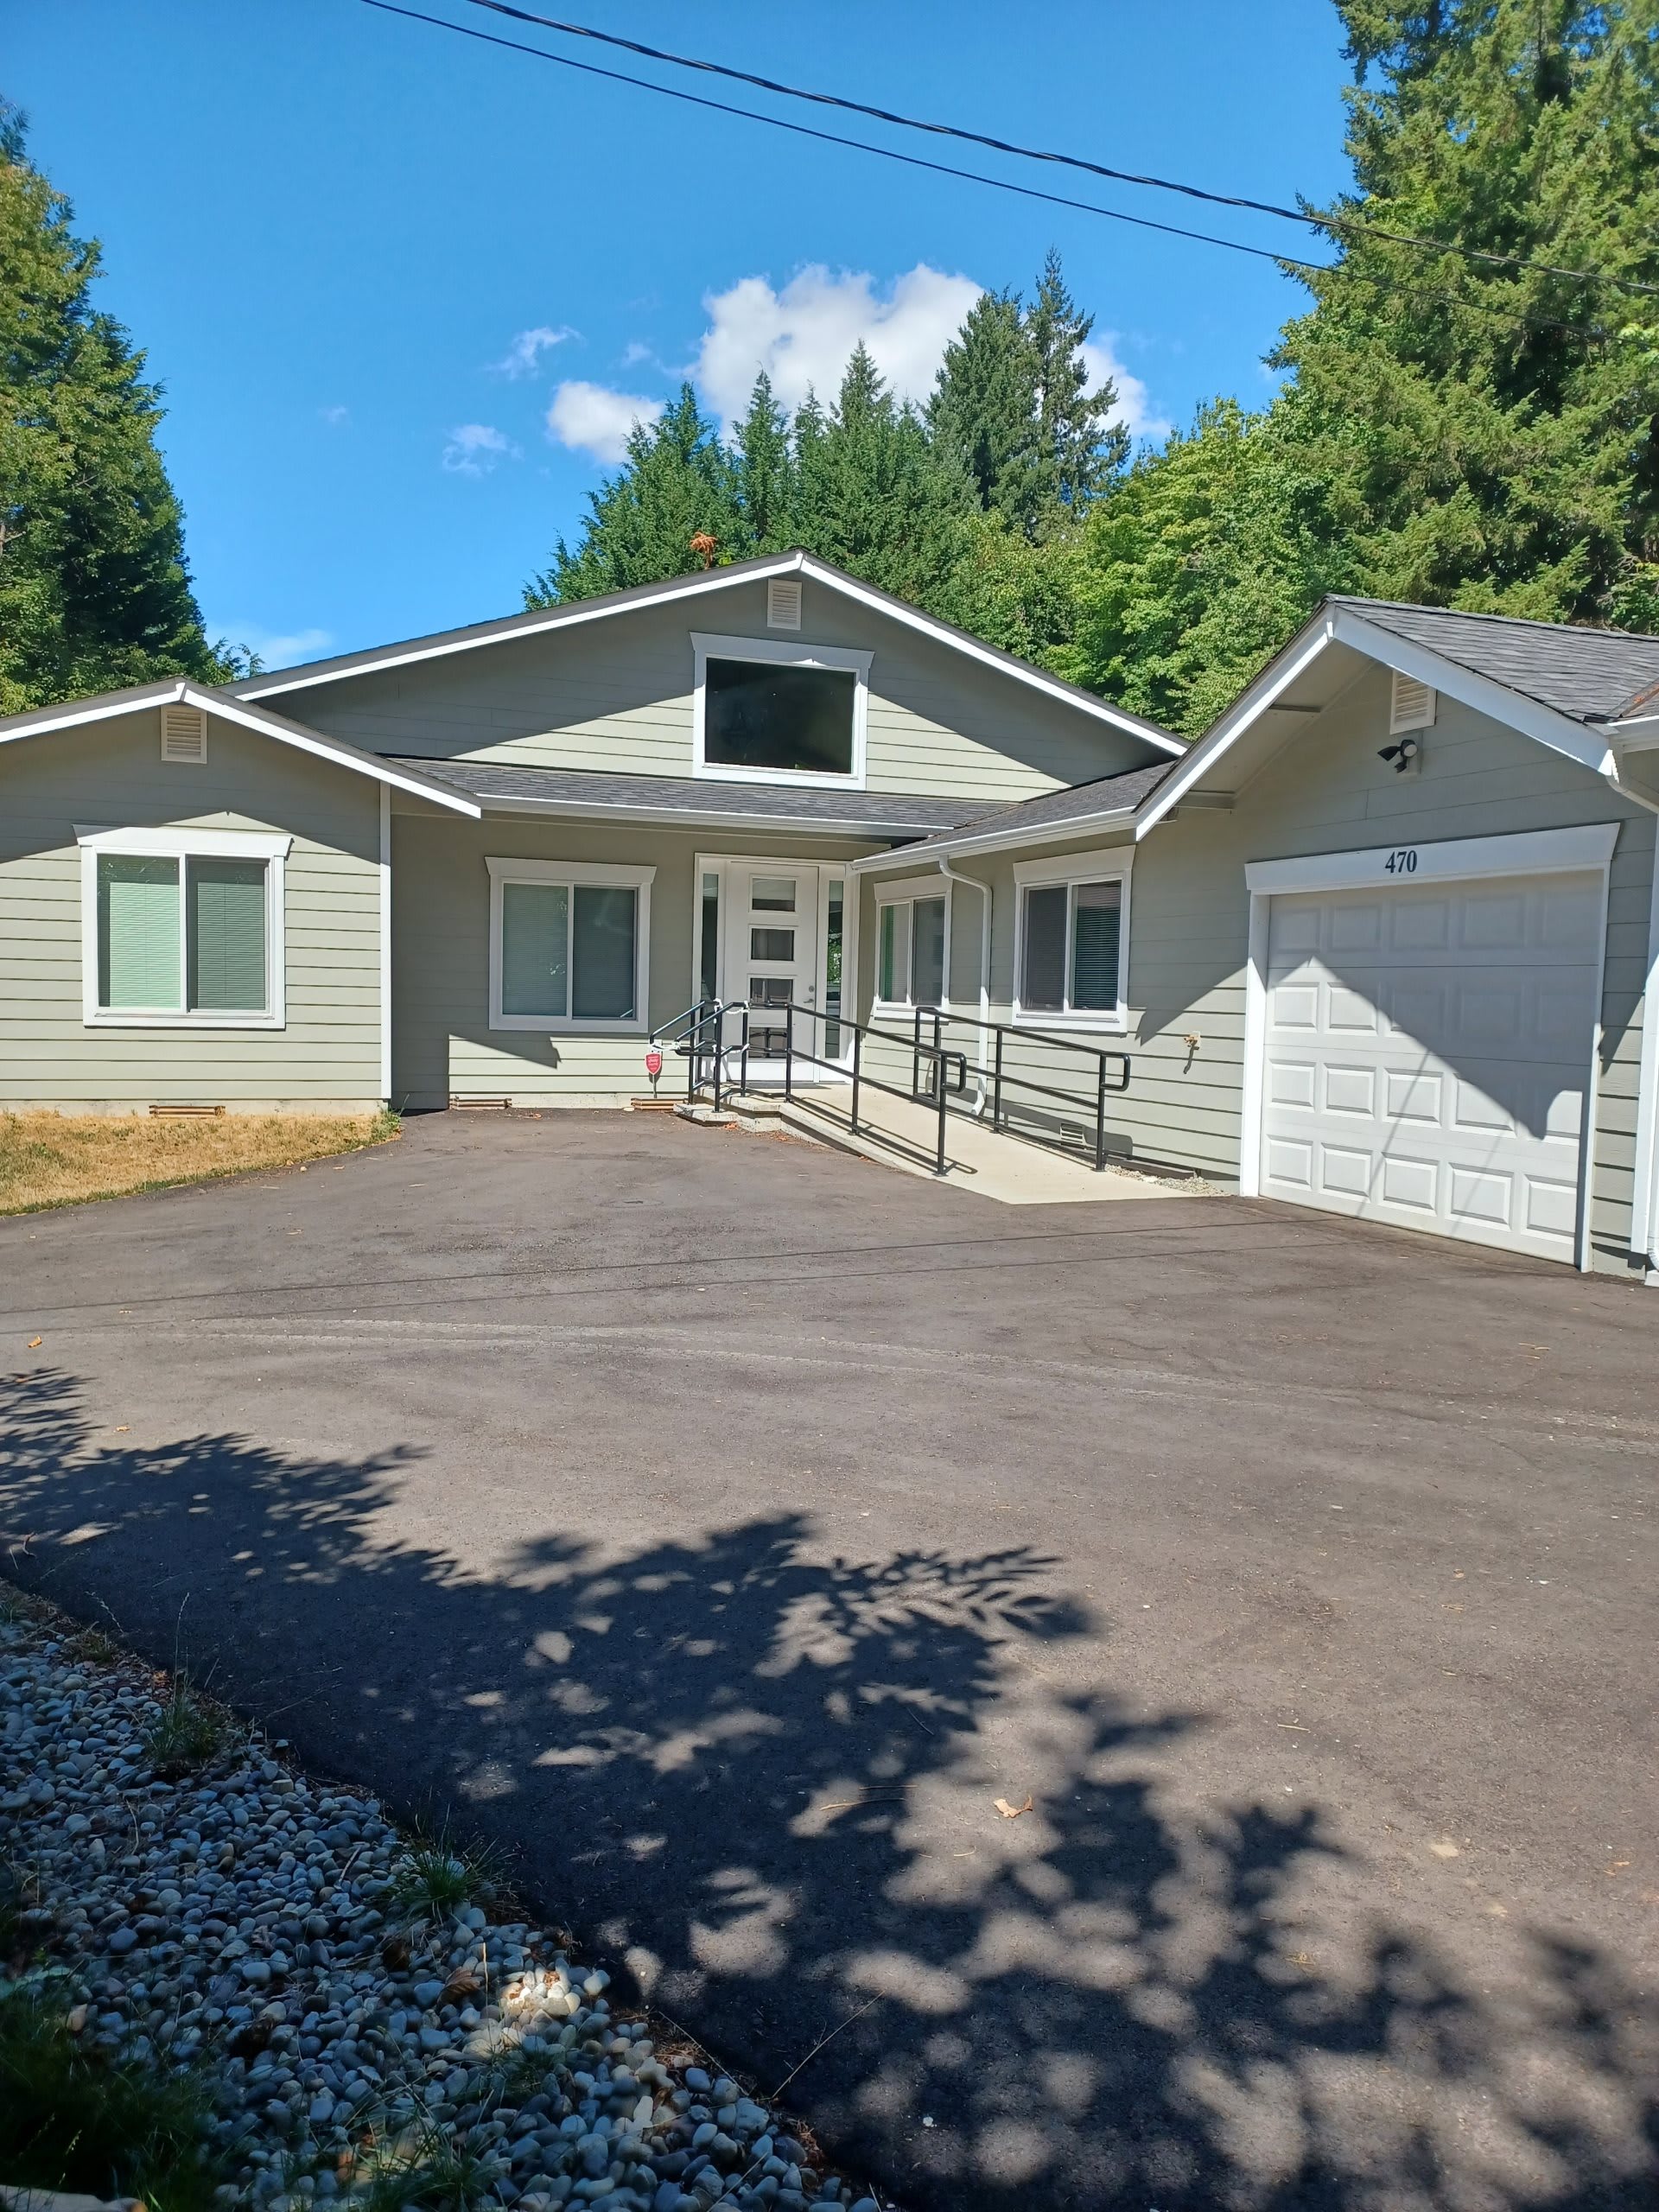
[{"x": 730, "y": 1525}]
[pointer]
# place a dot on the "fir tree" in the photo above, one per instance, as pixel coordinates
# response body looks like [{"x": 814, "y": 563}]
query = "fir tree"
[
  {"x": 676, "y": 483},
  {"x": 94, "y": 593},
  {"x": 983, "y": 411},
  {"x": 763, "y": 472},
  {"x": 1078, "y": 447}
]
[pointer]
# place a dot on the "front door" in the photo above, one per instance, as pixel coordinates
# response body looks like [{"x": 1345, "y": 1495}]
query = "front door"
[{"x": 771, "y": 953}]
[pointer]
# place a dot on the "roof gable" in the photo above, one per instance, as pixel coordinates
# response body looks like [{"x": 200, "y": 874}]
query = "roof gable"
[
  {"x": 542, "y": 621},
  {"x": 1591, "y": 675}
]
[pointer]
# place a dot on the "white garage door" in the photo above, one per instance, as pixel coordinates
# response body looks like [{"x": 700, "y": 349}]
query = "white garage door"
[{"x": 1427, "y": 1055}]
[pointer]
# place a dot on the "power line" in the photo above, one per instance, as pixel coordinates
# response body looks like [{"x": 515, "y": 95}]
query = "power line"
[
  {"x": 996, "y": 183},
  {"x": 1337, "y": 226}
]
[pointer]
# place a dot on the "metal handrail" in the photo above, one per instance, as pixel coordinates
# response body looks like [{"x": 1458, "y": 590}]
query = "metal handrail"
[
  {"x": 938, "y": 1095},
  {"x": 1000, "y": 1076},
  {"x": 692, "y": 1047}
]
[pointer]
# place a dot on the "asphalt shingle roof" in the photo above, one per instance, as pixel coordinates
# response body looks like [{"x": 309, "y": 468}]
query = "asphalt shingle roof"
[
  {"x": 1594, "y": 676},
  {"x": 857, "y": 813},
  {"x": 1080, "y": 802}
]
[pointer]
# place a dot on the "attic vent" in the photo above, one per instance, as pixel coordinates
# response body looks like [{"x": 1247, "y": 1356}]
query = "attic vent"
[
  {"x": 184, "y": 734},
  {"x": 784, "y": 604},
  {"x": 1412, "y": 706}
]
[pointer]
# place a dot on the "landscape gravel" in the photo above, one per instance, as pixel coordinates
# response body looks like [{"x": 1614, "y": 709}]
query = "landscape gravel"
[{"x": 247, "y": 1920}]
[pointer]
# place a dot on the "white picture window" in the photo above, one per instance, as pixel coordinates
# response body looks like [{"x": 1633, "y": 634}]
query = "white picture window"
[
  {"x": 765, "y": 711},
  {"x": 912, "y": 949},
  {"x": 1073, "y": 943},
  {"x": 568, "y": 945},
  {"x": 182, "y": 929}
]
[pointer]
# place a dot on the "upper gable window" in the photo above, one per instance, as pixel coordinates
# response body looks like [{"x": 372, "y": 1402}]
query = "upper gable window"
[{"x": 766, "y": 712}]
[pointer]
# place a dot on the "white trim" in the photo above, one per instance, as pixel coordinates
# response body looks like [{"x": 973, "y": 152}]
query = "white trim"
[
  {"x": 891, "y": 890},
  {"x": 1106, "y": 864},
  {"x": 385, "y": 872},
  {"x": 1275, "y": 678},
  {"x": 111, "y": 705},
  {"x": 1534, "y": 852},
  {"x": 684, "y": 818},
  {"x": 915, "y": 888},
  {"x": 784, "y": 565},
  {"x": 842, "y": 660},
  {"x": 504, "y": 869},
  {"x": 1584, "y": 850},
  {"x": 1644, "y": 1197},
  {"x": 182, "y": 845},
  {"x": 179, "y": 844}
]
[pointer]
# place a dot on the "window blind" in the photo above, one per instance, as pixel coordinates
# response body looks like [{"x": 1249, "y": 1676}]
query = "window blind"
[
  {"x": 535, "y": 949},
  {"x": 1096, "y": 927},
  {"x": 226, "y": 936},
  {"x": 138, "y": 964}
]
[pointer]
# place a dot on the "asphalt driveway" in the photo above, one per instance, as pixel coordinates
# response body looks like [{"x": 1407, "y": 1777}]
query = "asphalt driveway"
[{"x": 728, "y": 1525}]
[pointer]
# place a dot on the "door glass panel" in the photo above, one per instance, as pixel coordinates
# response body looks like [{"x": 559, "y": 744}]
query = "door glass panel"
[
  {"x": 1095, "y": 932},
  {"x": 927, "y": 974},
  {"x": 773, "y": 895},
  {"x": 708, "y": 940},
  {"x": 769, "y": 990},
  {"x": 832, "y": 973},
  {"x": 1042, "y": 986},
  {"x": 771, "y": 944}
]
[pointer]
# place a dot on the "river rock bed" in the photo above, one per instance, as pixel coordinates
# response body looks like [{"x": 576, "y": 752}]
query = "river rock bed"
[{"x": 245, "y": 1919}]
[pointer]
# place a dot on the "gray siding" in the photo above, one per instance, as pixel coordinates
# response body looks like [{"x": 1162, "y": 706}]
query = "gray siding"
[
  {"x": 442, "y": 1044},
  {"x": 110, "y": 775},
  {"x": 616, "y": 694},
  {"x": 1326, "y": 791}
]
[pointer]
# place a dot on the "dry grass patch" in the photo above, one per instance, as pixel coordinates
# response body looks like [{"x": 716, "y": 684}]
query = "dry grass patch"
[{"x": 58, "y": 1160}]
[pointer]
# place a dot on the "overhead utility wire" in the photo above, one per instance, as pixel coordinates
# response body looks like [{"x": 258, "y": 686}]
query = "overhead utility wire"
[
  {"x": 1340, "y": 227},
  {"x": 976, "y": 176}
]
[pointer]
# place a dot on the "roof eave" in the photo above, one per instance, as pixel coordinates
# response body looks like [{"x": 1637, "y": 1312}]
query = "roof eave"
[
  {"x": 1051, "y": 833},
  {"x": 669, "y": 818}
]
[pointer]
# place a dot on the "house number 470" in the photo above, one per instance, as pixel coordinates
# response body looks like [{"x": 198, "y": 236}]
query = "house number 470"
[{"x": 1402, "y": 862}]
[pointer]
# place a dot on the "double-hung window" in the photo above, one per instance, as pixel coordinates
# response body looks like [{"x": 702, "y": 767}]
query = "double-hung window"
[
  {"x": 1071, "y": 950},
  {"x": 182, "y": 928},
  {"x": 568, "y": 945},
  {"x": 910, "y": 944}
]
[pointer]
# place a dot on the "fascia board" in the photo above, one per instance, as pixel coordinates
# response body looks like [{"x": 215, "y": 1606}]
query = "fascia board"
[
  {"x": 75, "y": 713},
  {"x": 443, "y": 643},
  {"x": 1531, "y": 718},
  {"x": 674, "y": 817},
  {"x": 327, "y": 748},
  {"x": 1051, "y": 833},
  {"x": 1273, "y": 680}
]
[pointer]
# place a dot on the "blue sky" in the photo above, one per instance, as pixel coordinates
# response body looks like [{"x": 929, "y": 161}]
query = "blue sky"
[{"x": 404, "y": 290}]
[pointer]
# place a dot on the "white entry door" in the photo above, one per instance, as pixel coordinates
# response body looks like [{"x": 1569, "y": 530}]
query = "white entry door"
[
  {"x": 771, "y": 953},
  {"x": 1427, "y": 1053}
]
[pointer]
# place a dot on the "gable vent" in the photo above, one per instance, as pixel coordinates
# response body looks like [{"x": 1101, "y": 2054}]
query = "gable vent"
[
  {"x": 1411, "y": 705},
  {"x": 184, "y": 734},
  {"x": 784, "y": 603}
]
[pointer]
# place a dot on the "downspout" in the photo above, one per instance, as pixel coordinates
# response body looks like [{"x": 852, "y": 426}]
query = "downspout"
[
  {"x": 1644, "y": 1210},
  {"x": 984, "y": 890}
]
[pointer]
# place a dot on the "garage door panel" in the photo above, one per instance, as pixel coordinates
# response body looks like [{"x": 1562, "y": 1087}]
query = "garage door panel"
[{"x": 1427, "y": 1056}]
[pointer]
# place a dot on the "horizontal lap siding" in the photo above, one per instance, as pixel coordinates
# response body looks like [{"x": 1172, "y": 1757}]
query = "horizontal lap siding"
[
  {"x": 616, "y": 694},
  {"x": 442, "y": 1044},
  {"x": 1326, "y": 793},
  {"x": 110, "y": 775}
]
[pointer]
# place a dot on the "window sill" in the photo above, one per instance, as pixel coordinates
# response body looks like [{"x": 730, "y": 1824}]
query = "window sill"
[
  {"x": 542, "y": 1024},
  {"x": 1102, "y": 1025},
  {"x": 119, "y": 1018}
]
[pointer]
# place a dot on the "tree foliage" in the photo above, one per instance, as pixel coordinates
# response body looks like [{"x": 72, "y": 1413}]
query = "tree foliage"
[{"x": 94, "y": 593}]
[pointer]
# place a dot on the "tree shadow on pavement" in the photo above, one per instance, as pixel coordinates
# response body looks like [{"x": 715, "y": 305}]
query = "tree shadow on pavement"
[{"x": 763, "y": 1777}]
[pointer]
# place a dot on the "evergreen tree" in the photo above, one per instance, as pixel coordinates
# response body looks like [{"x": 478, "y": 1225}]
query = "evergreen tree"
[
  {"x": 1078, "y": 448},
  {"x": 94, "y": 593},
  {"x": 1499, "y": 453},
  {"x": 763, "y": 472},
  {"x": 676, "y": 483},
  {"x": 983, "y": 411}
]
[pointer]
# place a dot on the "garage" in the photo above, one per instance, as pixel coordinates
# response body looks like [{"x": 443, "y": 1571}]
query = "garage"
[{"x": 1427, "y": 1045}]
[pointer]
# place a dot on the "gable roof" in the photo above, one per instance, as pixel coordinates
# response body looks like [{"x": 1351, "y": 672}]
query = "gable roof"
[
  {"x": 1594, "y": 676},
  {"x": 542, "y": 621},
  {"x": 506, "y": 786},
  {"x": 171, "y": 691}
]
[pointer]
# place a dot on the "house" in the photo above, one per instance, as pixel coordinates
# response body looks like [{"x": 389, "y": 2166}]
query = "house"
[
  {"x": 1381, "y": 942},
  {"x": 485, "y": 865}
]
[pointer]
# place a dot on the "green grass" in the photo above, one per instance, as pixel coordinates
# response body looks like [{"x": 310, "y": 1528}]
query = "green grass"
[
  {"x": 438, "y": 1874},
  {"x": 71, "y": 2120},
  {"x": 186, "y": 1733}
]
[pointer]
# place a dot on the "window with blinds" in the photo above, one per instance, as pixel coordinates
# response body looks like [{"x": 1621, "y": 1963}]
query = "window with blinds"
[
  {"x": 1071, "y": 948},
  {"x": 184, "y": 936}
]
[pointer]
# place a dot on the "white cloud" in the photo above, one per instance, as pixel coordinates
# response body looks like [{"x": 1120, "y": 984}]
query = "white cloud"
[
  {"x": 523, "y": 356},
  {"x": 276, "y": 648},
  {"x": 333, "y": 416},
  {"x": 596, "y": 420},
  {"x": 474, "y": 448},
  {"x": 803, "y": 334},
  {"x": 1134, "y": 409}
]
